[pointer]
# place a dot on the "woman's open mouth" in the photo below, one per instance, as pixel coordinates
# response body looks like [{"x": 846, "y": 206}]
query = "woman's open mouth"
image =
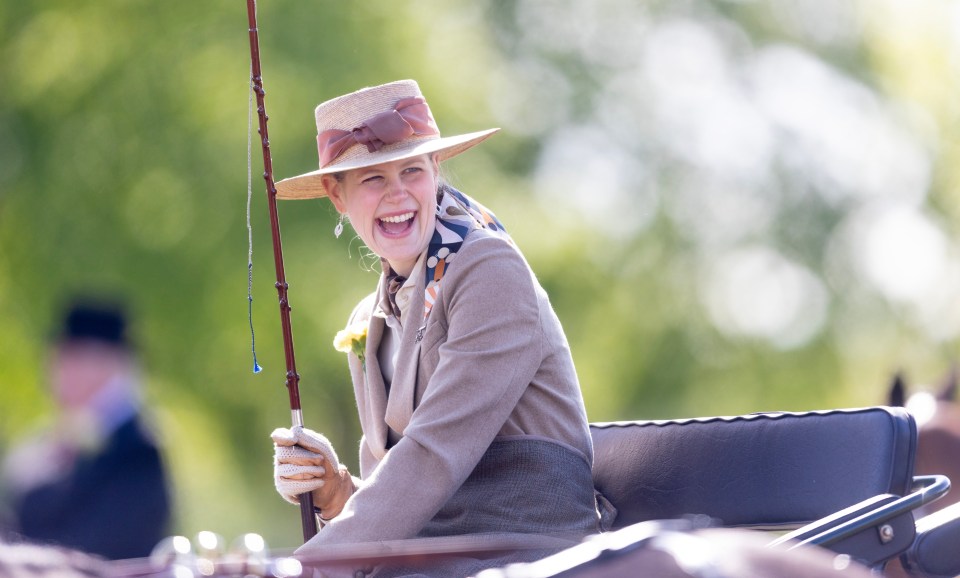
[{"x": 396, "y": 225}]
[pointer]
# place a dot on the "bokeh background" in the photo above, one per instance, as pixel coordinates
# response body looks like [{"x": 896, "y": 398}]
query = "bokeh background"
[{"x": 735, "y": 206}]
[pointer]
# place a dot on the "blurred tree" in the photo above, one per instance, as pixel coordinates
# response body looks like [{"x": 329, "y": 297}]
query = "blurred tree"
[
  {"x": 735, "y": 206},
  {"x": 766, "y": 188}
]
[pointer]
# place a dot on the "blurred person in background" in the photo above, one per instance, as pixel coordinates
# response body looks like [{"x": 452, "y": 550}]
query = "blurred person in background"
[{"x": 95, "y": 481}]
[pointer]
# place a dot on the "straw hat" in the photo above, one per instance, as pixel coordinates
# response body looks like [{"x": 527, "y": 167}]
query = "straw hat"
[{"x": 374, "y": 125}]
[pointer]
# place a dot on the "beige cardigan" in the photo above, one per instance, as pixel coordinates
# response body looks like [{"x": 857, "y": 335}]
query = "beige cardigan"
[{"x": 492, "y": 361}]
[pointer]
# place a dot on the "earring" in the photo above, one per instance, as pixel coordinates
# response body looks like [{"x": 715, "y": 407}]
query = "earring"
[{"x": 338, "y": 230}]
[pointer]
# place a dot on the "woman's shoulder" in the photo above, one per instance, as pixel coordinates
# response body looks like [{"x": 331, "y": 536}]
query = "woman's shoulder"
[
  {"x": 491, "y": 256},
  {"x": 483, "y": 242}
]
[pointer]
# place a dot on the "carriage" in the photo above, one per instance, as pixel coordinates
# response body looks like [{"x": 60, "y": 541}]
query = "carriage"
[{"x": 764, "y": 494}]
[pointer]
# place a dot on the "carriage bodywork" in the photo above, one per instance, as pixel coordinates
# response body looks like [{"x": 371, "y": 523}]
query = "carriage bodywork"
[
  {"x": 838, "y": 482},
  {"x": 838, "y": 479}
]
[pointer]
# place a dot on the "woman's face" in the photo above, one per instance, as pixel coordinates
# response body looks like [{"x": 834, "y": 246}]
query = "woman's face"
[{"x": 392, "y": 206}]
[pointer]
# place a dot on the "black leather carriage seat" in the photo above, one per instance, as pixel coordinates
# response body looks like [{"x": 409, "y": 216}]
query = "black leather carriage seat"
[{"x": 767, "y": 470}]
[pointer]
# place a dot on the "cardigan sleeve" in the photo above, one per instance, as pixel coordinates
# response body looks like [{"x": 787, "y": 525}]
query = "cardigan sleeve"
[{"x": 491, "y": 353}]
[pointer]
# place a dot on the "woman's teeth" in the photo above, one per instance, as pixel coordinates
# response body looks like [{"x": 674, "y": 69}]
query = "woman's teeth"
[
  {"x": 398, "y": 218},
  {"x": 397, "y": 224}
]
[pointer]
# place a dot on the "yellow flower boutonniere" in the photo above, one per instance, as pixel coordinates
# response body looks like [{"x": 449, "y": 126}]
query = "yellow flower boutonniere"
[{"x": 353, "y": 339}]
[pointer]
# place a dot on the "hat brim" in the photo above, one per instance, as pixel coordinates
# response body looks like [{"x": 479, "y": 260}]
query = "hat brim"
[{"x": 310, "y": 185}]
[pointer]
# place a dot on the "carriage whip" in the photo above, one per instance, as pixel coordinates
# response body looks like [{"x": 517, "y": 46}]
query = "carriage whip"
[{"x": 307, "y": 517}]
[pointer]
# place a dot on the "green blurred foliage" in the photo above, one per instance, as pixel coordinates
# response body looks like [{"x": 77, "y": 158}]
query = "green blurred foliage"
[{"x": 123, "y": 170}]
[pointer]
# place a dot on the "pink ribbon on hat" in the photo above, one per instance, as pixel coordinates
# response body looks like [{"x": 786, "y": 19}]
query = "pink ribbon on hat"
[{"x": 409, "y": 116}]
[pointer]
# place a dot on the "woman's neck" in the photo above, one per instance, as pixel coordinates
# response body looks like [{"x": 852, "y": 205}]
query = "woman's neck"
[{"x": 402, "y": 269}]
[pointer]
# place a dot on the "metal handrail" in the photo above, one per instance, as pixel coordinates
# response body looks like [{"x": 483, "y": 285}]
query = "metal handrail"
[{"x": 926, "y": 490}]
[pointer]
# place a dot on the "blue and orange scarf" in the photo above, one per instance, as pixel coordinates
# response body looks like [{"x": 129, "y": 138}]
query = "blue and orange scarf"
[{"x": 457, "y": 215}]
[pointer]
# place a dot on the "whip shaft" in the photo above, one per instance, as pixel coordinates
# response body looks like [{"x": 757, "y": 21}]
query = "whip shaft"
[{"x": 307, "y": 517}]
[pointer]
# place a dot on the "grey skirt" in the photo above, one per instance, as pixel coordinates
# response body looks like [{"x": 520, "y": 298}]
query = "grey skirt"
[{"x": 522, "y": 486}]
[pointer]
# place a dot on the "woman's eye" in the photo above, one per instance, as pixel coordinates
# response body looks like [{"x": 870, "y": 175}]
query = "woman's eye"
[
  {"x": 412, "y": 170},
  {"x": 371, "y": 180}
]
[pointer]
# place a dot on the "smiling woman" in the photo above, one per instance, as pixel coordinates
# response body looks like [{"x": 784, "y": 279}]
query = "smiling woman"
[{"x": 472, "y": 417}]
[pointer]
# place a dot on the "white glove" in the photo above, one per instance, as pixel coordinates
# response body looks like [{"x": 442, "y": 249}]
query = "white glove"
[{"x": 302, "y": 459}]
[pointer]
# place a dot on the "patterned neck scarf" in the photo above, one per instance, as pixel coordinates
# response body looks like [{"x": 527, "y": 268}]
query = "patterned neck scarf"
[{"x": 457, "y": 215}]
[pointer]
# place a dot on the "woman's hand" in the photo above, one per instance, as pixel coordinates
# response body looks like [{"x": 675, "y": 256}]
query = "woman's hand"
[{"x": 305, "y": 461}]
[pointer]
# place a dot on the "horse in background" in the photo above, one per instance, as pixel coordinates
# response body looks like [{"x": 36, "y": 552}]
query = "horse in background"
[
  {"x": 938, "y": 430},
  {"x": 937, "y": 414}
]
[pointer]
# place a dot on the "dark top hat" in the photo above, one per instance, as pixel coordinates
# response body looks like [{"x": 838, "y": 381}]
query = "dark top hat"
[{"x": 95, "y": 321}]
